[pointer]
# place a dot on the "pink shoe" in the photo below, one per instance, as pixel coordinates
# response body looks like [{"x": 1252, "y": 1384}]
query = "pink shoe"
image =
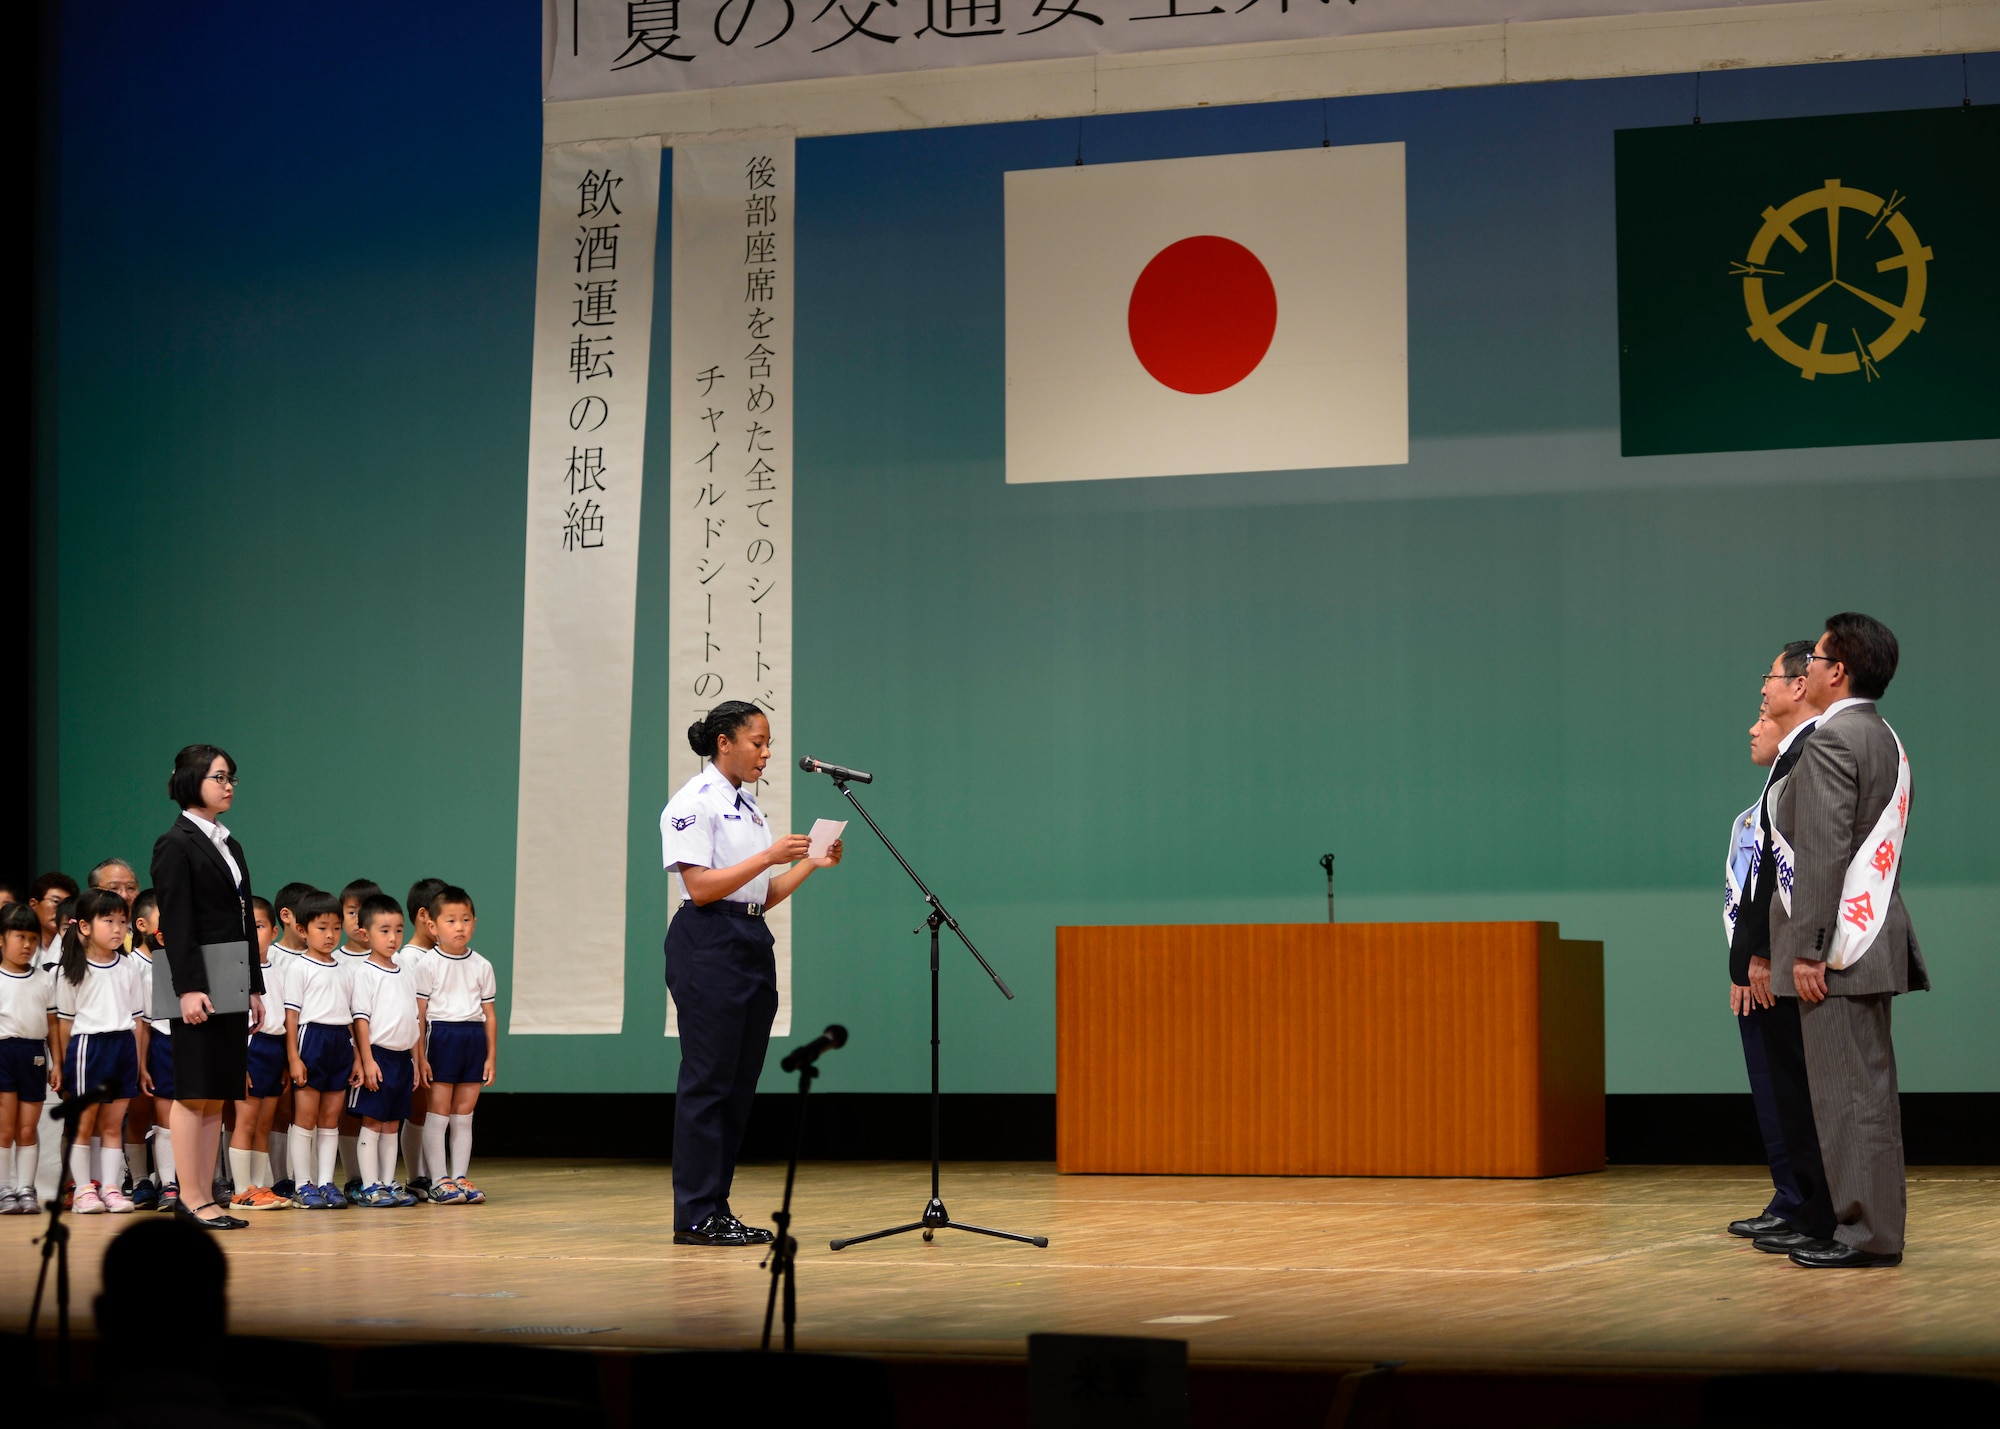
[
  {"x": 117, "y": 1202},
  {"x": 88, "y": 1201}
]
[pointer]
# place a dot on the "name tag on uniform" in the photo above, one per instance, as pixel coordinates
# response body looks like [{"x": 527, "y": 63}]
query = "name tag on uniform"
[{"x": 737, "y": 817}]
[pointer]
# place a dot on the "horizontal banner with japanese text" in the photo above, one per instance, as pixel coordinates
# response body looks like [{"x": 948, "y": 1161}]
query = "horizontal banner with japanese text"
[{"x": 599, "y": 48}]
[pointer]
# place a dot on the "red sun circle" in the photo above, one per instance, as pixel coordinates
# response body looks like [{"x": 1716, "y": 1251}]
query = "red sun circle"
[{"x": 1202, "y": 314}]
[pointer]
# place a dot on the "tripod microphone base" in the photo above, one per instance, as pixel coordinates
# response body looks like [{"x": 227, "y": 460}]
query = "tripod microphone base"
[{"x": 937, "y": 1218}]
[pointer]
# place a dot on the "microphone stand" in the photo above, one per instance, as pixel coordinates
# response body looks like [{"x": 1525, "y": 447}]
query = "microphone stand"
[
  {"x": 1326, "y": 862},
  {"x": 55, "y": 1246},
  {"x": 783, "y": 1258},
  {"x": 935, "y": 1217}
]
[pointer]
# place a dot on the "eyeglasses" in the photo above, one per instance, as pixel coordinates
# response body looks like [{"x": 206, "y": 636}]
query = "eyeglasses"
[
  {"x": 1769, "y": 678},
  {"x": 1830, "y": 659},
  {"x": 228, "y": 781}
]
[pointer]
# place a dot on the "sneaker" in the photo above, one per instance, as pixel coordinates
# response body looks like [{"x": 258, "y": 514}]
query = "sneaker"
[
  {"x": 117, "y": 1202},
  {"x": 309, "y": 1198},
  {"x": 145, "y": 1195},
  {"x": 287, "y": 1188},
  {"x": 333, "y": 1196},
  {"x": 401, "y": 1195},
  {"x": 354, "y": 1190},
  {"x": 262, "y": 1198},
  {"x": 447, "y": 1193},
  {"x": 170, "y": 1196},
  {"x": 421, "y": 1187},
  {"x": 10, "y": 1201},
  {"x": 88, "y": 1200},
  {"x": 27, "y": 1203},
  {"x": 473, "y": 1195}
]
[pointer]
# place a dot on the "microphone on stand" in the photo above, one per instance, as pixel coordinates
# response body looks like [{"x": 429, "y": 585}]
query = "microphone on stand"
[
  {"x": 804, "y": 1056},
  {"x": 845, "y": 776},
  {"x": 104, "y": 1092}
]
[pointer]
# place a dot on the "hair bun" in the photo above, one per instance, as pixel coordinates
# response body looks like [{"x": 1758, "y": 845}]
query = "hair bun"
[{"x": 698, "y": 738}]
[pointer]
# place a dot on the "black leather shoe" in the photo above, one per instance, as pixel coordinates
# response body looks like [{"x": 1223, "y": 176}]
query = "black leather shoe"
[
  {"x": 718, "y": 1229},
  {"x": 182, "y": 1211},
  {"x": 1761, "y": 1225},
  {"x": 752, "y": 1235},
  {"x": 1788, "y": 1241},
  {"x": 1833, "y": 1255}
]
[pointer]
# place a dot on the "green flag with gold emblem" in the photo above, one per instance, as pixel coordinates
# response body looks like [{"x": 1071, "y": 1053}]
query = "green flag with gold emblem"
[{"x": 1810, "y": 282}]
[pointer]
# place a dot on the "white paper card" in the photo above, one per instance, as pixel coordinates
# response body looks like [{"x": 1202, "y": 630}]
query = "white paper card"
[{"x": 824, "y": 833}]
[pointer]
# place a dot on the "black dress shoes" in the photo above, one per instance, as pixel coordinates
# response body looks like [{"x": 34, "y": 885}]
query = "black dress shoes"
[
  {"x": 1785, "y": 1242},
  {"x": 718, "y": 1229},
  {"x": 1832, "y": 1255},
  {"x": 1761, "y": 1225},
  {"x": 752, "y": 1235},
  {"x": 221, "y": 1222}
]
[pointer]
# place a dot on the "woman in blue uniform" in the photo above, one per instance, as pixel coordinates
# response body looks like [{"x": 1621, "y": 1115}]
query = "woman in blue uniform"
[{"x": 720, "y": 967}]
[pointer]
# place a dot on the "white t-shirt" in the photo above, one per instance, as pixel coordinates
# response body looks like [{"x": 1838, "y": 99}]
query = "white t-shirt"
[
  {"x": 111, "y": 997},
  {"x": 26, "y": 1000},
  {"x": 457, "y": 989},
  {"x": 387, "y": 999},
  {"x": 321, "y": 992},
  {"x": 281, "y": 960},
  {"x": 712, "y": 823},
  {"x": 155, "y": 969}
]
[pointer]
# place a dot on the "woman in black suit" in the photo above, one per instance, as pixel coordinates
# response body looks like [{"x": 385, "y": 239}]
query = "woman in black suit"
[{"x": 203, "y": 883}]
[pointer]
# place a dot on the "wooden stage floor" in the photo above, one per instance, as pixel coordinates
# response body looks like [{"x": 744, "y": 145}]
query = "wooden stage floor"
[{"x": 1630, "y": 1268}]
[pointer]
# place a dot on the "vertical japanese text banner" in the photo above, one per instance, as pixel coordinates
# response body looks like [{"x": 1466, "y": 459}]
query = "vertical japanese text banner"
[
  {"x": 586, "y": 440},
  {"x": 730, "y": 559}
]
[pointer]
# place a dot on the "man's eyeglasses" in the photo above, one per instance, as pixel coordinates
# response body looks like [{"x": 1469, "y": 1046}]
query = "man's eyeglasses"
[
  {"x": 1769, "y": 678},
  {"x": 1830, "y": 659}
]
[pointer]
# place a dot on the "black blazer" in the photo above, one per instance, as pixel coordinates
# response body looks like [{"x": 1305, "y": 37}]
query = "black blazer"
[
  {"x": 1753, "y": 919},
  {"x": 200, "y": 903}
]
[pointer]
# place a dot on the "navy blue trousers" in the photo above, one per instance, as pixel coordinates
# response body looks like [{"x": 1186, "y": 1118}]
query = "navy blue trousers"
[
  {"x": 724, "y": 980},
  {"x": 1786, "y": 1200}
]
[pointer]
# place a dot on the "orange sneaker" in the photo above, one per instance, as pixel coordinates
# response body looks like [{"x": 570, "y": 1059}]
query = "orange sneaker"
[
  {"x": 473, "y": 1194},
  {"x": 261, "y": 1198}
]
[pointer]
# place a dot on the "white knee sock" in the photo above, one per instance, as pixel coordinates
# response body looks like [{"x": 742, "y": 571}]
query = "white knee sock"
[
  {"x": 386, "y": 1149},
  {"x": 111, "y": 1166},
  {"x": 434, "y": 1162},
  {"x": 300, "y": 1147},
  {"x": 48, "y": 1159},
  {"x": 7, "y": 1158},
  {"x": 461, "y": 1144},
  {"x": 326, "y": 1145},
  {"x": 413, "y": 1148},
  {"x": 365, "y": 1155},
  {"x": 280, "y": 1161},
  {"x": 135, "y": 1157},
  {"x": 79, "y": 1166},
  {"x": 163, "y": 1153},
  {"x": 350, "y": 1158},
  {"x": 239, "y": 1169},
  {"x": 260, "y": 1169}
]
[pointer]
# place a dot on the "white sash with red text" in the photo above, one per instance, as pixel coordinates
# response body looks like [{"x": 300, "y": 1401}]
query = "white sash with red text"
[{"x": 1871, "y": 875}]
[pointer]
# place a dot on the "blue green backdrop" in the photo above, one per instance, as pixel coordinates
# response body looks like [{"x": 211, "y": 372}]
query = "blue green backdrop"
[{"x": 283, "y": 511}]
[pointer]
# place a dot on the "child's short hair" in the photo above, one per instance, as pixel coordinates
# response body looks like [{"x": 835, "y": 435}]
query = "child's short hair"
[
  {"x": 146, "y": 905},
  {"x": 450, "y": 893},
  {"x": 20, "y": 918},
  {"x": 361, "y": 888},
  {"x": 314, "y": 905},
  {"x": 263, "y": 905},
  {"x": 421, "y": 893},
  {"x": 375, "y": 905},
  {"x": 47, "y": 881},
  {"x": 12, "y": 890},
  {"x": 289, "y": 896}
]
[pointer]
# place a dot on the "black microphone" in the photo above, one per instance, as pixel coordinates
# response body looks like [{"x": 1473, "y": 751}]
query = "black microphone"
[
  {"x": 834, "y": 1036},
  {"x": 846, "y": 776},
  {"x": 104, "y": 1091}
]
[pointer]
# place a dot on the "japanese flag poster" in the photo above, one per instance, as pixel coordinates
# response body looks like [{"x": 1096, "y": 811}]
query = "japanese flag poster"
[{"x": 1240, "y": 312}]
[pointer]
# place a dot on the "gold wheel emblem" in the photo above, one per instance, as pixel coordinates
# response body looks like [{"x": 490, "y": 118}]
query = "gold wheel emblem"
[{"x": 1905, "y": 317}]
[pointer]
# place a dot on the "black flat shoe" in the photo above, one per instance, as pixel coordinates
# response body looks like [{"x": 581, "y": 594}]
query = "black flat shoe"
[
  {"x": 1788, "y": 1241},
  {"x": 716, "y": 1230},
  {"x": 1833, "y": 1255},
  {"x": 1761, "y": 1225},
  {"x": 183, "y": 1211}
]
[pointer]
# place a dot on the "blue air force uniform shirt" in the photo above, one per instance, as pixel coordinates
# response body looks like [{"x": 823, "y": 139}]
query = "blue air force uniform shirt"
[{"x": 713, "y": 824}]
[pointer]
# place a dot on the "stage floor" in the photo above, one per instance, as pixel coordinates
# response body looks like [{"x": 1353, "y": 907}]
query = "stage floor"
[{"x": 1630, "y": 1268}]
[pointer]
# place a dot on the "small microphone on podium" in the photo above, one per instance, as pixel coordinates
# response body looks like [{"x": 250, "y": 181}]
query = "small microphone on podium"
[
  {"x": 846, "y": 776},
  {"x": 805, "y": 1056}
]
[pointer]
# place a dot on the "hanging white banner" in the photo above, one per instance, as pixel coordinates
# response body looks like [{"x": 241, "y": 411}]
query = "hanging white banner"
[
  {"x": 586, "y": 443},
  {"x": 729, "y": 613},
  {"x": 597, "y": 48}
]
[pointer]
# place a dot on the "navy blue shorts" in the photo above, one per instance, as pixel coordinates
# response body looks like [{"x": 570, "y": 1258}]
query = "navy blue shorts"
[
  {"x": 24, "y": 1068},
  {"x": 391, "y": 1100},
  {"x": 160, "y": 1062},
  {"x": 95, "y": 1057},
  {"x": 457, "y": 1051},
  {"x": 267, "y": 1064},
  {"x": 328, "y": 1052}
]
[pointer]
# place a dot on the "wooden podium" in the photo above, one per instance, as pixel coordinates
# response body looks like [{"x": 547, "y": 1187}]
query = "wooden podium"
[{"x": 1323, "y": 1049}]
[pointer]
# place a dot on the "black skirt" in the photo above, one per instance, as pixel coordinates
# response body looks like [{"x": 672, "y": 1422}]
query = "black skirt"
[{"x": 212, "y": 1058}]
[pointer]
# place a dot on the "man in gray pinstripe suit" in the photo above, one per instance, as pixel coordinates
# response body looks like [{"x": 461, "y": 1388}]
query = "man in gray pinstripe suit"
[{"x": 1841, "y": 813}]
